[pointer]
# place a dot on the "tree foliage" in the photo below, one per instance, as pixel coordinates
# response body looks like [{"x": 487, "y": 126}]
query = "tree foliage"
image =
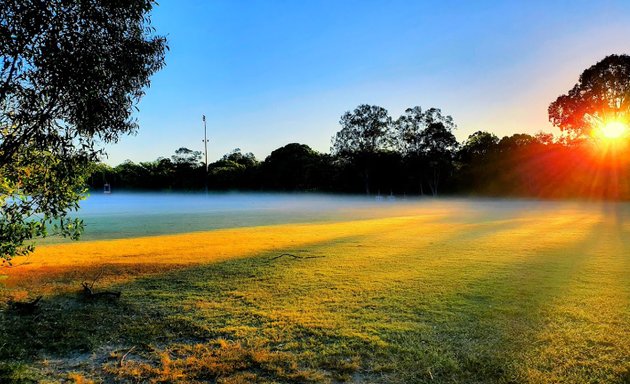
[
  {"x": 516, "y": 165},
  {"x": 478, "y": 145},
  {"x": 426, "y": 140},
  {"x": 244, "y": 159},
  {"x": 235, "y": 170},
  {"x": 601, "y": 94},
  {"x": 365, "y": 133},
  {"x": 367, "y": 129},
  {"x": 186, "y": 158},
  {"x": 416, "y": 129},
  {"x": 70, "y": 74},
  {"x": 294, "y": 167}
]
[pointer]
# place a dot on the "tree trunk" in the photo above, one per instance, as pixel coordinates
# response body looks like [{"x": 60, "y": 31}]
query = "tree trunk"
[{"x": 434, "y": 182}]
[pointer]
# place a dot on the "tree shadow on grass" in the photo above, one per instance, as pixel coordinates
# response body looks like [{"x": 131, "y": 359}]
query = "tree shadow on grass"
[
  {"x": 202, "y": 323},
  {"x": 485, "y": 332},
  {"x": 159, "y": 317}
]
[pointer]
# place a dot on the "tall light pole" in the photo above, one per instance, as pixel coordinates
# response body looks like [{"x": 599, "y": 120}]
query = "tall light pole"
[
  {"x": 205, "y": 144},
  {"x": 205, "y": 140}
]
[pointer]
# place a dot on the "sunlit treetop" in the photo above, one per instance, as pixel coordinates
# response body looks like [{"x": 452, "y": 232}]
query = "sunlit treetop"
[{"x": 599, "y": 104}]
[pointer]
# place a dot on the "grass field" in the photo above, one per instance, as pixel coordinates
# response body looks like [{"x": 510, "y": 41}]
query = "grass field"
[{"x": 443, "y": 292}]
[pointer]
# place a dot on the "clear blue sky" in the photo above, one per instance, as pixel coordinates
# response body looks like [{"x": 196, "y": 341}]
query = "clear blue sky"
[{"x": 267, "y": 73}]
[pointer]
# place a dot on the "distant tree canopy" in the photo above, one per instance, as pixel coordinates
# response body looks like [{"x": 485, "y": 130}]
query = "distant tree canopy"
[
  {"x": 235, "y": 170},
  {"x": 186, "y": 158},
  {"x": 516, "y": 165},
  {"x": 294, "y": 167},
  {"x": 415, "y": 129},
  {"x": 365, "y": 133},
  {"x": 602, "y": 94},
  {"x": 243, "y": 159},
  {"x": 478, "y": 145},
  {"x": 423, "y": 140},
  {"x": 364, "y": 130},
  {"x": 427, "y": 143},
  {"x": 70, "y": 74},
  {"x": 418, "y": 154}
]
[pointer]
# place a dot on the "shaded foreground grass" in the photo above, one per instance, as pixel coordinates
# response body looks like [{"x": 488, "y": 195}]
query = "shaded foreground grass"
[{"x": 443, "y": 295}]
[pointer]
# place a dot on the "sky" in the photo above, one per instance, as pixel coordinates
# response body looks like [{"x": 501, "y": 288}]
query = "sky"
[{"x": 268, "y": 73}]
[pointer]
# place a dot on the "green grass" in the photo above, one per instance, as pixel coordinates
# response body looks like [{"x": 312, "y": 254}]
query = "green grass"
[{"x": 449, "y": 295}]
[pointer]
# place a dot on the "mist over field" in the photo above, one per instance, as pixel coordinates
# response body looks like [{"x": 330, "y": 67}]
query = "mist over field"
[
  {"x": 131, "y": 214},
  {"x": 138, "y": 214}
]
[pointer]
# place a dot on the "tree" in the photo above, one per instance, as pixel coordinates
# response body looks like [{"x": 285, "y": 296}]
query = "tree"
[
  {"x": 439, "y": 146},
  {"x": 186, "y": 158},
  {"x": 235, "y": 170},
  {"x": 70, "y": 74},
  {"x": 248, "y": 160},
  {"x": 426, "y": 140},
  {"x": 602, "y": 94},
  {"x": 160, "y": 174},
  {"x": 189, "y": 171},
  {"x": 479, "y": 145},
  {"x": 294, "y": 167},
  {"x": 131, "y": 175},
  {"x": 366, "y": 129},
  {"x": 364, "y": 132}
]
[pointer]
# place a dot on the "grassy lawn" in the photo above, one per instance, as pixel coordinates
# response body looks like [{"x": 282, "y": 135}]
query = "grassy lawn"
[{"x": 442, "y": 293}]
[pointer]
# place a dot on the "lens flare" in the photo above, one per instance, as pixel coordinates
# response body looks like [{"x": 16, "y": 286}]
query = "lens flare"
[{"x": 613, "y": 130}]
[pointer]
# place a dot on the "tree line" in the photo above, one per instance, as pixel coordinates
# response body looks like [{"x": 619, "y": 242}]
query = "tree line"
[{"x": 415, "y": 154}]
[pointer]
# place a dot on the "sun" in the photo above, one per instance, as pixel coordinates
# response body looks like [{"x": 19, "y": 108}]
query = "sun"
[{"x": 613, "y": 130}]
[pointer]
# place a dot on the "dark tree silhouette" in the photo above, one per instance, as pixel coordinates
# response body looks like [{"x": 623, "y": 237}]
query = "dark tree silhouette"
[
  {"x": 601, "y": 94},
  {"x": 426, "y": 140},
  {"x": 190, "y": 172},
  {"x": 245, "y": 159},
  {"x": 478, "y": 145},
  {"x": 364, "y": 133},
  {"x": 294, "y": 167},
  {"x": 439, "y": 146},
  {"x": 516, "y": 165},
  {"x": 235, "y": 170},
  {"x": 186, "y": 158},
  {"x": 477, "y": 157},
  {"x": 158, "y": 174},
  {"x": 70, "y": 74},
  {"x": 366, "y": 129}
]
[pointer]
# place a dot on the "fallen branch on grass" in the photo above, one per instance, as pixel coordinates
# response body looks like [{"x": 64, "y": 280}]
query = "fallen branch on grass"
[
  {"x": 88, "y": 290},
  {"x": 295, "y": 256},
  {"x": 122, "y": 359},
  {"x": 88, "y": 293},
  {"x": 24, "y": 307}
]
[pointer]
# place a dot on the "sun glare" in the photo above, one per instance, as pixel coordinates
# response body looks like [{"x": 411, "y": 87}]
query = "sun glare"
[{"x": 613, "y": 130}]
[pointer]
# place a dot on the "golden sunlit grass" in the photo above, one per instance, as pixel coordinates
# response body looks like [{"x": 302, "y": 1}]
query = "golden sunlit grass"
[{"x": 437, "y": 295}]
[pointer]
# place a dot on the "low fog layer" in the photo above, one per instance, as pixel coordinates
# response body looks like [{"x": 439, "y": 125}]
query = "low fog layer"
[{"x": 122, "y": 215}]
